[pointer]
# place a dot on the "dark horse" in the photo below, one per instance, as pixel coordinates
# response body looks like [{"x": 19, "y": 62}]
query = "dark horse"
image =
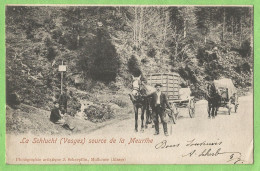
[
  {"x": 213, "y": 99},
  {"x": 140, "y": 100}
]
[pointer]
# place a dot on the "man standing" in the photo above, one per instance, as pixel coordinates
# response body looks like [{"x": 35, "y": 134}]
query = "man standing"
[
  {"x": 63, "y": 100},
  {"x": 159, "y": 104}
]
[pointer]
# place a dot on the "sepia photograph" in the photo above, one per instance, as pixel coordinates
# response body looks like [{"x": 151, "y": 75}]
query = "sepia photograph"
[{"x": 129, "y": 84}]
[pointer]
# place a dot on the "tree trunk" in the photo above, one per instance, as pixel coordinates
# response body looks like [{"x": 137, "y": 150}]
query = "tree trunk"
[
  {"x": 78, "y": 40},
  {"x": 140, "y": 27},
  {"x": 232, "y": 28},
  {"x": 135, "y": 28},
  {"x": 241, "y": 31},
  {"x": 161, "y": 47},
  {"x": 224, "y": 21},
  {"x": 185, "y": 23},
  {"x": 165, "y": 28},
  {"x": 251, "y": 30},
  {"x": 176, "y": 49}
]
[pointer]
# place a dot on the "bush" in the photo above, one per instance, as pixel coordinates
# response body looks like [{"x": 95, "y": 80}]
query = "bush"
[
  {"x": 214, "y": 70},
  {"x": 51, "y": 54},
  {"x": 151, "y": 53},
  {"x": 237, "y": 69},
  {"x": 106, "y": 63},
  {"x": 99, "y": 113},
  {"x": 201, "y": 56},
  {"x": 246, "y": 67},
  {"x": 120, "y": 102},
  {"x": 245, "y": 50},
  {"x": 187, "y": 74},
  {"x": 134, "y": 67},
  {"x": 144, "y": 61},
  {"x": 100, "y": 60},
  {"x": 12, "y": 99},
  {"x": 56, "y": 34}
]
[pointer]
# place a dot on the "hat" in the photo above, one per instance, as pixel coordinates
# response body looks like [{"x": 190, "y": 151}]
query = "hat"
[{"x": 157, "y": 84}]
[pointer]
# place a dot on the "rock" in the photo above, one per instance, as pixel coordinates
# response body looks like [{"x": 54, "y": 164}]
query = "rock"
[{"x": 114, "y": 106}]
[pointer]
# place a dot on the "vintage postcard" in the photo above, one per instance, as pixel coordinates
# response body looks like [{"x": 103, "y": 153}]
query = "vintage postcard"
[{"x": 114, "y": 84}]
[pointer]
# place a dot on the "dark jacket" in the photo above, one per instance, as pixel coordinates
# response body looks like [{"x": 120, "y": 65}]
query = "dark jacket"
[
  {"x": 163, "y": 101},
  {"x": 55, "y": 115},
  {"x": 63, "y": 99}
]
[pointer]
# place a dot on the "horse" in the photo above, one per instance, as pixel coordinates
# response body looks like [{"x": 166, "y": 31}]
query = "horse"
[
  {"x": 140, "y": 101},
  {"x": 213, "y": 99}
]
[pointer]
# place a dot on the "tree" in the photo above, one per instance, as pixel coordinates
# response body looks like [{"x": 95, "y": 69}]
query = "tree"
[
  {"x": 134, "y": 67},
  {"x": 101, "y": 60}
]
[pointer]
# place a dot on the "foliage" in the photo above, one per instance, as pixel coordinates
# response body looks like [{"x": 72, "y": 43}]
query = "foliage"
[
  {"x": 200, "y": 43},
  {"x": 134, "y": 67},
  {"x": 101, "y": 60},
  {"x": 96, "y": 113}
]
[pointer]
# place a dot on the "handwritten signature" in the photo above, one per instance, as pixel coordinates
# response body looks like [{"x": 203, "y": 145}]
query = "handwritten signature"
[{"x": 234, "y": 157}]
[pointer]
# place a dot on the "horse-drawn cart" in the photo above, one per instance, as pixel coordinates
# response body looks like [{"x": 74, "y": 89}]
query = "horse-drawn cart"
[
  {"x": 228, "y": 94},
  {"x": 177, "y": 97}
]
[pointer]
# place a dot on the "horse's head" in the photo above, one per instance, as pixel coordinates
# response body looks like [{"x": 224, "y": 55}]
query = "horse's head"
[
  {"x": 136, "y": 85},
  {"x": 211, "y": 90}
]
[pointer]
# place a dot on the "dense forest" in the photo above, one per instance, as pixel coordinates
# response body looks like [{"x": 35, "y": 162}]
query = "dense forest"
[{"x": 103, "y": 46}]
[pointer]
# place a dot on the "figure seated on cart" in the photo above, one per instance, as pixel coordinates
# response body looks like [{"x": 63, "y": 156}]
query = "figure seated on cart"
[{"x": 227, "y": 92}]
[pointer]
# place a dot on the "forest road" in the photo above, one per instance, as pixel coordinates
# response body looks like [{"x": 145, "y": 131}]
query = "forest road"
[{"x": 235, "y": 124}]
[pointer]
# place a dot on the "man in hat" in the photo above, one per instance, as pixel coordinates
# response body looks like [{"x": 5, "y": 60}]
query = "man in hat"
[
  {"x": 159, "y": 104},
  {"x": 57, "y": 117}
]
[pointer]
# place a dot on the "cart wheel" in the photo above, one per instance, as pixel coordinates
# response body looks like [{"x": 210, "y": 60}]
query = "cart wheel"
[
  {"x": 229, "y": 107},
  {"x": 173, "y": 118},
  {"x": 192, "y": 108},
  {"x": 174, "y": 113},
  {"x": 236, "y": 103}
]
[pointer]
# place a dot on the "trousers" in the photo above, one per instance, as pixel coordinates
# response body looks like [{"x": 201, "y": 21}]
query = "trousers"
[{"x": 158, "y": 111}]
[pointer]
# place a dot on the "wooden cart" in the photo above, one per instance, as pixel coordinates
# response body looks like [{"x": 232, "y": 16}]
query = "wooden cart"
[
  {"x": 228, "y": 94},
  {"x": 171, "y": 87}
]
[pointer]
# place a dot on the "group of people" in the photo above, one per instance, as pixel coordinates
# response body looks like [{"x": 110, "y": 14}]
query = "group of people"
[
  {"x": 159, "y": 103},
  {"x": 60, "y": 110}
]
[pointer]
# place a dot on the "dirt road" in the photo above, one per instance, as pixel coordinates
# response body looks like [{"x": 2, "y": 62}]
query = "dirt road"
[
  {"x": 227, "y": 139},
  {"x": 234, "y": 132},
  {"x": 236, "y": 124}
]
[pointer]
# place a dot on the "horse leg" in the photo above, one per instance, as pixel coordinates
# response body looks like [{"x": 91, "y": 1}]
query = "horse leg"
[
  {"x": 142, "y": 118},
  {"x": 147, "y": 118},
  {"x": 136, "y": 119},
  {"x": 217, "y": 105},
  {"x": 216, "y": 110},
  {"x": 213, "y": 111},
  {"x": 209, "y": 108},
  {"x": 147, "y": 115}
]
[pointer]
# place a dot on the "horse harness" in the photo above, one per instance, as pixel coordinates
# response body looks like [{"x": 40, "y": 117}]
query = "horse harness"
[{"x": 139, "y": 96}]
